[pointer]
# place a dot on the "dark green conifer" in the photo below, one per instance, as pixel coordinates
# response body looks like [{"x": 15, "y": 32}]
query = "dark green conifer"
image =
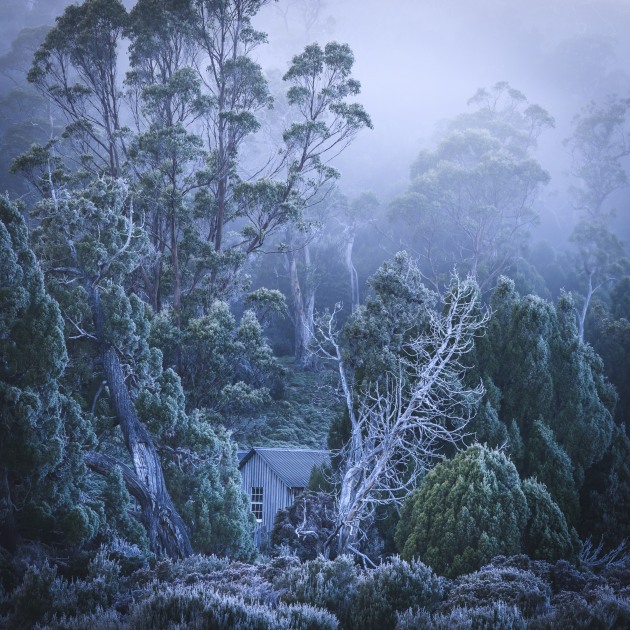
[{"x": 41, "y": 431}]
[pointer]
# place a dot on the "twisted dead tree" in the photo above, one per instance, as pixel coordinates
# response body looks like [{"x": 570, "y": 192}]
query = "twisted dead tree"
[{"x": 400, "y": 423}]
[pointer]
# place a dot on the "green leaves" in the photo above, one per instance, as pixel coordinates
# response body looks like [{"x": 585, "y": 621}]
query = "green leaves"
[
  {"x": 471, "y": 199},
  {"x": 466, "y": 511},
  {"x": 40, "y": 429}
]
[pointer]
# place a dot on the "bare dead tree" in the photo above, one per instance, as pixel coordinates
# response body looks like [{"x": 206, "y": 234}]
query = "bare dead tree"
[{"x": 400, "y": 424}]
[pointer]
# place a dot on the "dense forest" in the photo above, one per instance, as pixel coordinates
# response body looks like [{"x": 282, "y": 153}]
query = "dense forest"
[{"x": 221, "y": 226}]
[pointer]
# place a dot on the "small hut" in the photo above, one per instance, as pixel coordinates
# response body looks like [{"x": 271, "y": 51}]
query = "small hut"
[{"x": 272, "y": 478}]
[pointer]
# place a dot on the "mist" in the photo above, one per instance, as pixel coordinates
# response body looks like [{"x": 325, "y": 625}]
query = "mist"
[{"x": 420, "y": 61}]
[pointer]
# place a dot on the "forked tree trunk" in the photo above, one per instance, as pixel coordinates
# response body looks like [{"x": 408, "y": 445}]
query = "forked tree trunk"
[{"x": 165, "y": 528}]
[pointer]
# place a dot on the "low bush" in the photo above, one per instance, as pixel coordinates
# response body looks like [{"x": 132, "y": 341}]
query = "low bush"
[
  {"x": 329, "y": 584},
  {"x": 496, "y": 616},
  {"x": 595, "y": 610},
  {"x": 392, "y": 587},
  {"x": 197, "y": 607},
  {"x": 491, "y": 585}
]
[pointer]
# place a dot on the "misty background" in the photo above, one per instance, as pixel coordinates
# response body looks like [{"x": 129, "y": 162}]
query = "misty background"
[{"x": 419, "y": 62}]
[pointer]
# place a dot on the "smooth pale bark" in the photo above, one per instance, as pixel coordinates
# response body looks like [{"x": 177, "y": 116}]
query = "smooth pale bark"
[
  {"x": 354, "y": 276},
  {"x": 303, "y": 311}
]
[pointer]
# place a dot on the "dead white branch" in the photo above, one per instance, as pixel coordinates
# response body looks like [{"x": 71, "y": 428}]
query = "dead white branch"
[{"x": 400, "y": 424}]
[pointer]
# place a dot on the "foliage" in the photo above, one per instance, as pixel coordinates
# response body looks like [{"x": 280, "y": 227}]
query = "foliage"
[
  {"x": 227, "y": 368},
  {"x": 471, "y": 200},
  {"x": 200, "y": 607},
  {"x": 329, "y": 584},
  {"x": 600, "y": 609},
  {"x": 305, "y": 526},
  {"x": 392, "y": 587},
  {"x": 553, "y": 400},
  {"x": 305, "y": 407},
  {"x": 396, "y": 310},
  {"x": 466, "y": 511},
  {"x": 42, "y": 474},
  {"x": 201, "y": 470},
  {"x": 494, "y": 616},
  {"x": 547, "y": 535},
  {"x": 400, "y": 423},
  {"x": 509, "y": 585}
]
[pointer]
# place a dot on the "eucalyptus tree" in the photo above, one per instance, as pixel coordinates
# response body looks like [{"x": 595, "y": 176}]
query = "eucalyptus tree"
[
  {"x": 224, "y": 32},
  {"x": 320, "y": 82},
  {"x": 598, "y": 146},
  {"x": 167, "y": 154},
  {"x": 471, "y": 199},
  {"x": 77, "y": 69},
  {"x": 360, "y": 211}
]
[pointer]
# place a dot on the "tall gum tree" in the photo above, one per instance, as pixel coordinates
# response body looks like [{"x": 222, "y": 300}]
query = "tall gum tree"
[
  {"x": 599, "y": 146},
  {"x": 471, "y": 199},
  {"x": 76, "y": 68},
  {"x": 320, "y": 82}
]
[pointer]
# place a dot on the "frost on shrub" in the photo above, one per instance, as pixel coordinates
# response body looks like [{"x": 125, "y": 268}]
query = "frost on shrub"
[
  {"x": 101, "y": 619},
  {"x": 393, "y": 587},
  {"x": 466, "y": 511},
  {"x": 329, "y": 584},
  {"x": 200, "y": 607},
  {"x": 495, "y": 616},
  {"x": 33, "y": 598},
  {"x": 597, "y": 609},
  {"x": 45, "y": 597},
  {"x": 200, "y": 564},
  {"x": 130, "y": 557},
  {"x": 547, "y": 535},
  {"x": 509, "y": 585}
]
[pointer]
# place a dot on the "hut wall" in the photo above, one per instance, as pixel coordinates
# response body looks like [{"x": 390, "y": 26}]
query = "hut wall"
[{"x": 257, "y": 474}]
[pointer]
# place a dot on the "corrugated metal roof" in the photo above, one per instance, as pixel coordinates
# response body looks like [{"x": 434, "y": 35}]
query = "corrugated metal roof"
[{"x": 292, "y": 465}]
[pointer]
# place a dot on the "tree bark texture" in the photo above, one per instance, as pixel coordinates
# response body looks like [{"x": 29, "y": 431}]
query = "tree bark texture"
[
  {"x": 165, "y": 528},
  {"x": 303, "y": 310}
]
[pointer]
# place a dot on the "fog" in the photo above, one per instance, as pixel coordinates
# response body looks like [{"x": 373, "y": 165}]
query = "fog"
[{"x": 419, "y": 61}]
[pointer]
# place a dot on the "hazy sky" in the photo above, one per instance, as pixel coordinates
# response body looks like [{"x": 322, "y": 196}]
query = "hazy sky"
[{"x": 419, "y": 61}]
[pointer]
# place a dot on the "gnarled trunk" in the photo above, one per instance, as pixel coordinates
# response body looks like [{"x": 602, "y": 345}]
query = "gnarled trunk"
[{"x": 165, "y": 528}]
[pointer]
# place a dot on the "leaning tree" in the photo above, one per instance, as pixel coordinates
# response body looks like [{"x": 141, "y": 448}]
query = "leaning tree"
[{"x": 400, "y": 422}]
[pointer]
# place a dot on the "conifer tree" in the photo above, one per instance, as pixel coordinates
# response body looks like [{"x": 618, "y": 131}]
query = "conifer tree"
[{"x": 42, "y": 474}]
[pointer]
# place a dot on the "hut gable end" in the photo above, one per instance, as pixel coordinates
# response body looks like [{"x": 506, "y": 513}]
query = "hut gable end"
[{"x": 273, "y": 477}]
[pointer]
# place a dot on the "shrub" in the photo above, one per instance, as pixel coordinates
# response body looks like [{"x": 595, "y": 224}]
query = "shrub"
[
  {"x": 306, "y": 525},
  {"x": 547, "y": 535},
  {"x": 329, "y": 584},
  {"x": 490, "y": 585},
  {"x": 392, "y": 587},
  {"x": 600, "y": 609},
  {"x": 199, "y": 607},
  {"x": 466, "y": 511},
  {"x": 34, "y": 597},
  {"x": 101, "y": 619},
  {"x": 496, "y": 616}
]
